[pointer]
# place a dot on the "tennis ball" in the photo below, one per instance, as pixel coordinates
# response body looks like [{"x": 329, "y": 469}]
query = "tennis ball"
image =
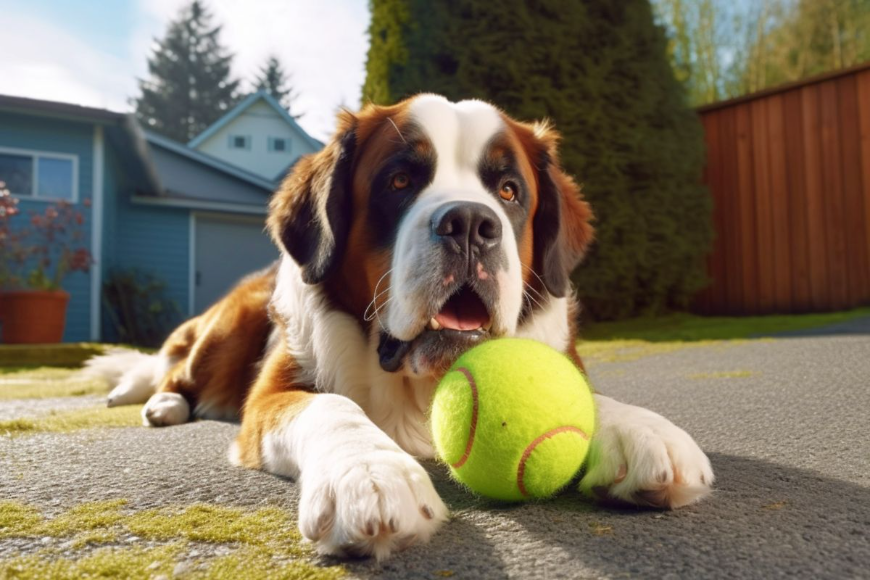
[{"x": 512, "y": 418}]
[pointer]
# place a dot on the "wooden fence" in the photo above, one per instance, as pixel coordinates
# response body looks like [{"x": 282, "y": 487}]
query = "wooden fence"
[{"x": 789, "y": 170}]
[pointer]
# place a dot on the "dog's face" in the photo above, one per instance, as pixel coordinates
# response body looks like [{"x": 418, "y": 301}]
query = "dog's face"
[{"x": 442, "y": 224}]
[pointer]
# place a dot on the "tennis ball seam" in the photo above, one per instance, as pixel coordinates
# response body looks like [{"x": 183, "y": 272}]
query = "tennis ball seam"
[
  {"x": 474, "y": 409},
  {"x": 521, "y": 469}
]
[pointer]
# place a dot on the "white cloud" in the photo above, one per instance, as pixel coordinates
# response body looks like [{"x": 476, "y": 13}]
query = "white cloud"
[
  {"x": 43, "y": 61},
  {"x": 322, "y": 44}
]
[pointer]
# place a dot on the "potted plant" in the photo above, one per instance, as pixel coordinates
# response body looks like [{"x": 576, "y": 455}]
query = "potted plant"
[{"x": 34, "y": 260}]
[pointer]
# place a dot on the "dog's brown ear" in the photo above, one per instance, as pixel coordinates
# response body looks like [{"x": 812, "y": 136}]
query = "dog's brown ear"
[
  {"x": 562, "y": 223},
  {"x": 310, "y": 214}
]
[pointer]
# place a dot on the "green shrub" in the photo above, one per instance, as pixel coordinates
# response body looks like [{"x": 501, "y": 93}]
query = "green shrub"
[{"x": 138, "y": 310}]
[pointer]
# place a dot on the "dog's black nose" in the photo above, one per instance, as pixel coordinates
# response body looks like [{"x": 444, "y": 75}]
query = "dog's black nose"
[{"x": 467, "y": 227}]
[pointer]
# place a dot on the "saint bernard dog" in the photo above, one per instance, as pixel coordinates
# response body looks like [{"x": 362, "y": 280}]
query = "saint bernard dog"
[{"x": 420, "y": 230}]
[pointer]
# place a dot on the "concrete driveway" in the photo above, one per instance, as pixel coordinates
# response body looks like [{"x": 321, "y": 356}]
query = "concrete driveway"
[{"x": 784, "y": 421}]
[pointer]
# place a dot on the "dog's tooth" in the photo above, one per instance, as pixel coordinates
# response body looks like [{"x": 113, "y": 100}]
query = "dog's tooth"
[
  {"x": 487, "y": 326},
  {"x": 433, "y": 324}
]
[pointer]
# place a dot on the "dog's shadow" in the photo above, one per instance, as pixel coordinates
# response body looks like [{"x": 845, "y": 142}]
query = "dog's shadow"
[{"x": 763, "y": 520}]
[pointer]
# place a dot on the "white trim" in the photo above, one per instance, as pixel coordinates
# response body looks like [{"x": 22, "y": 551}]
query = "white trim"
[
  {"x": 97, "y": 233},
  {"x": 34, "y": 154},
  {"x": 217, "y": 206},
  {"x": 191, "y": 265}
]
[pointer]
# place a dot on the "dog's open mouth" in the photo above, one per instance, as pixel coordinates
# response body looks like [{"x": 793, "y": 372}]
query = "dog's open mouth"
[
  {"x": 461, "y": 322},
  {"x": 463, "y": 311}
]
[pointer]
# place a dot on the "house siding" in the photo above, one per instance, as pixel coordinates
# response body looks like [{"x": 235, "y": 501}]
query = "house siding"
[
  {"x": 38, "y": 133},
  {"x": 259, "y": 122},
  {"x": 155, "y": 240}
]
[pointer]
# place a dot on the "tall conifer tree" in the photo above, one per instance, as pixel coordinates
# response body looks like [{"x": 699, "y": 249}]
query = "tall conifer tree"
[
  {"x": 275, "y": 81},
  {"x": 599, "y": 69},
  {"x": 189, "y": 85}
]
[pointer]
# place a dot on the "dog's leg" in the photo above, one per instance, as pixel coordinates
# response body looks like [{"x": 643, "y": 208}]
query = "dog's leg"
[
  {"x": 639, "y": 457},
  {"x": 360, "y": 493}
]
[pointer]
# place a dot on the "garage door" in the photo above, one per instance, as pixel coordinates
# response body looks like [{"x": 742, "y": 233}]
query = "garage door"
[{"x": 226, "y": 249}]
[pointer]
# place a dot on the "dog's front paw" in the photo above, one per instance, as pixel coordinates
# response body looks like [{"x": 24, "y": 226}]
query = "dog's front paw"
[
  {"x": 639, "y": 457},
  {"x": 372, "y": 504}
]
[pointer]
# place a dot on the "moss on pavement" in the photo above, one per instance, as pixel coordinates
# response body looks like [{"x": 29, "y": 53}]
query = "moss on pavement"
[
  {"x": 66, "y": 421},
  {"x": 262, "y": 543},
  {"x": 46, "y": 383}
]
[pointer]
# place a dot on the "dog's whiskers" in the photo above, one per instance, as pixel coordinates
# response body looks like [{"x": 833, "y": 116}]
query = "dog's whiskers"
[
  {"x": 373, "y": 309},
  {"x": 530, "y": 298}
]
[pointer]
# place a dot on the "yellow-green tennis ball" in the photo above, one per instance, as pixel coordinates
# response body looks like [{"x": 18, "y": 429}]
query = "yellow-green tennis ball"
[{"x": 512, "y": 418}]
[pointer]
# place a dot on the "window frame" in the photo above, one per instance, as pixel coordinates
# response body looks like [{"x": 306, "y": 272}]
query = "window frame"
[
  {"x": 286, "y": 141},
  {"x": 35, "y": 155},
  {"x": 233, "y": 137}
]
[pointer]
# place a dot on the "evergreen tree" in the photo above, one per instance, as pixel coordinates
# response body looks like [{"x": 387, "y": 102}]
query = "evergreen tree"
[
  {"x": 189, "y": 86},
  {"x": 274, "y": 80},
  {"x": 599, "y": 69}
]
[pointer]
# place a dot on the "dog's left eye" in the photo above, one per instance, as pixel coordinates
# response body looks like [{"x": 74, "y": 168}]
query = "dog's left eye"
[
  {"x": 400, "y": 181},
  {"x": 508, "y": 191}
]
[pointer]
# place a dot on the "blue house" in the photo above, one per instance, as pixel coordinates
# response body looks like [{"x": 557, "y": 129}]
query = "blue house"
[{"x": 190, "y": 218}]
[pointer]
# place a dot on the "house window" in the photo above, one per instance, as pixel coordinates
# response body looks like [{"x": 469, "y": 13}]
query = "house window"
[
  {"x": 279, "y": 144},
  {"x": 240, "y": 142},
  {"x": 38, "y": 175}
]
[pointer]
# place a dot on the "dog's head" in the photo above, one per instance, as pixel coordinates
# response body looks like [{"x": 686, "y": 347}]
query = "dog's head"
[{"x": 442, "y": 224}]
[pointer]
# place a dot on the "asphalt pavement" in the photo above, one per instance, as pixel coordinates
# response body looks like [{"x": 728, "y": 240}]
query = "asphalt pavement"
[{"x": 783, "y": 420}]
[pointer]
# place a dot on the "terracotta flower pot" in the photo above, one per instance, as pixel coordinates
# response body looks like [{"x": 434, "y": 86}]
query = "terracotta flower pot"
[{"x": 33, "y": 316}]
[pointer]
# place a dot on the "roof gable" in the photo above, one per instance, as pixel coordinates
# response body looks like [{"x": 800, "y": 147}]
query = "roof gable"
[{"x": 243, "y": 106}]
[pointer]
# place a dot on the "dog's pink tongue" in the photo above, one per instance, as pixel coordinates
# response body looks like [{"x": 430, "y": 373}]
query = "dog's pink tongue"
[{"x": 461, "y": 313}]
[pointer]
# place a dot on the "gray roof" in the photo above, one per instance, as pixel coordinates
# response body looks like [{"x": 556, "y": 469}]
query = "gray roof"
[
  {"x": 122, "y": 130},
  {"x": 160, "y": 167}
]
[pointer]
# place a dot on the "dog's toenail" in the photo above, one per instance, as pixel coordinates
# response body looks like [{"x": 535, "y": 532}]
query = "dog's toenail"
[
  {"x": 427, "y": 512},
  {"x": 620, "y": 473}
]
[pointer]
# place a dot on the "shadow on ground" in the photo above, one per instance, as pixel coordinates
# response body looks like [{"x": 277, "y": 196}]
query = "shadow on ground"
[{"x": 763, "y": 521}]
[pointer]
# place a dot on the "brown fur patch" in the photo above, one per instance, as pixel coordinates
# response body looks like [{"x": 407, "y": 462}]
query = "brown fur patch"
[
  {"x": 275, "y": 398},
  {"x": 380, "y": 132},
  {"x": 218, "y": 349}
]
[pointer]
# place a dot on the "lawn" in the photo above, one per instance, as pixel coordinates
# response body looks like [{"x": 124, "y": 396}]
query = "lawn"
[{"x": 688, "y": 327}]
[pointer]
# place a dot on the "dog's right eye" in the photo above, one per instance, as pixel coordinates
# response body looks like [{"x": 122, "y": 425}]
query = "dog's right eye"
[
  {"x": 508, "y": 191},
  {"x": 400, "y": 181}
]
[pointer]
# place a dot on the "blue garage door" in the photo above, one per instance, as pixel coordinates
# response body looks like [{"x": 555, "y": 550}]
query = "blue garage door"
[{"x": 226, "y": 249}]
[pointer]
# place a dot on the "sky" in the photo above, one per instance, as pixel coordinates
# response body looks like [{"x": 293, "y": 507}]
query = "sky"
[{"x": 90, "y": 52}]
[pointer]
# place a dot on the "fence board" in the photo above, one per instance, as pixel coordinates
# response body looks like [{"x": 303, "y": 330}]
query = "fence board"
[
  {"x": 797, "y": 207},
  {"x": 832, "y": 178},
  {"x": 864, "y": 124},
  {"x": 746, "y": 223},
  {"x": 816, "y": 234},
  {"x": 763, "y": 213},
  {"x": 780, "y": 252}
]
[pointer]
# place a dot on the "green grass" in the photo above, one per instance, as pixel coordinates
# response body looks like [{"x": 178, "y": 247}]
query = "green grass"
[
  {"x": 71, "y": 354},
  {"x": 689, "y": 328},
  {"x": 66, "y": 421},
  {"x": 47, "y": 382},
  {"x": 264, "y": 543}
]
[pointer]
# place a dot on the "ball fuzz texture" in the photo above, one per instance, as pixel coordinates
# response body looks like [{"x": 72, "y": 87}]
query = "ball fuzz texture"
[{"x": 512, "y": 418}]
